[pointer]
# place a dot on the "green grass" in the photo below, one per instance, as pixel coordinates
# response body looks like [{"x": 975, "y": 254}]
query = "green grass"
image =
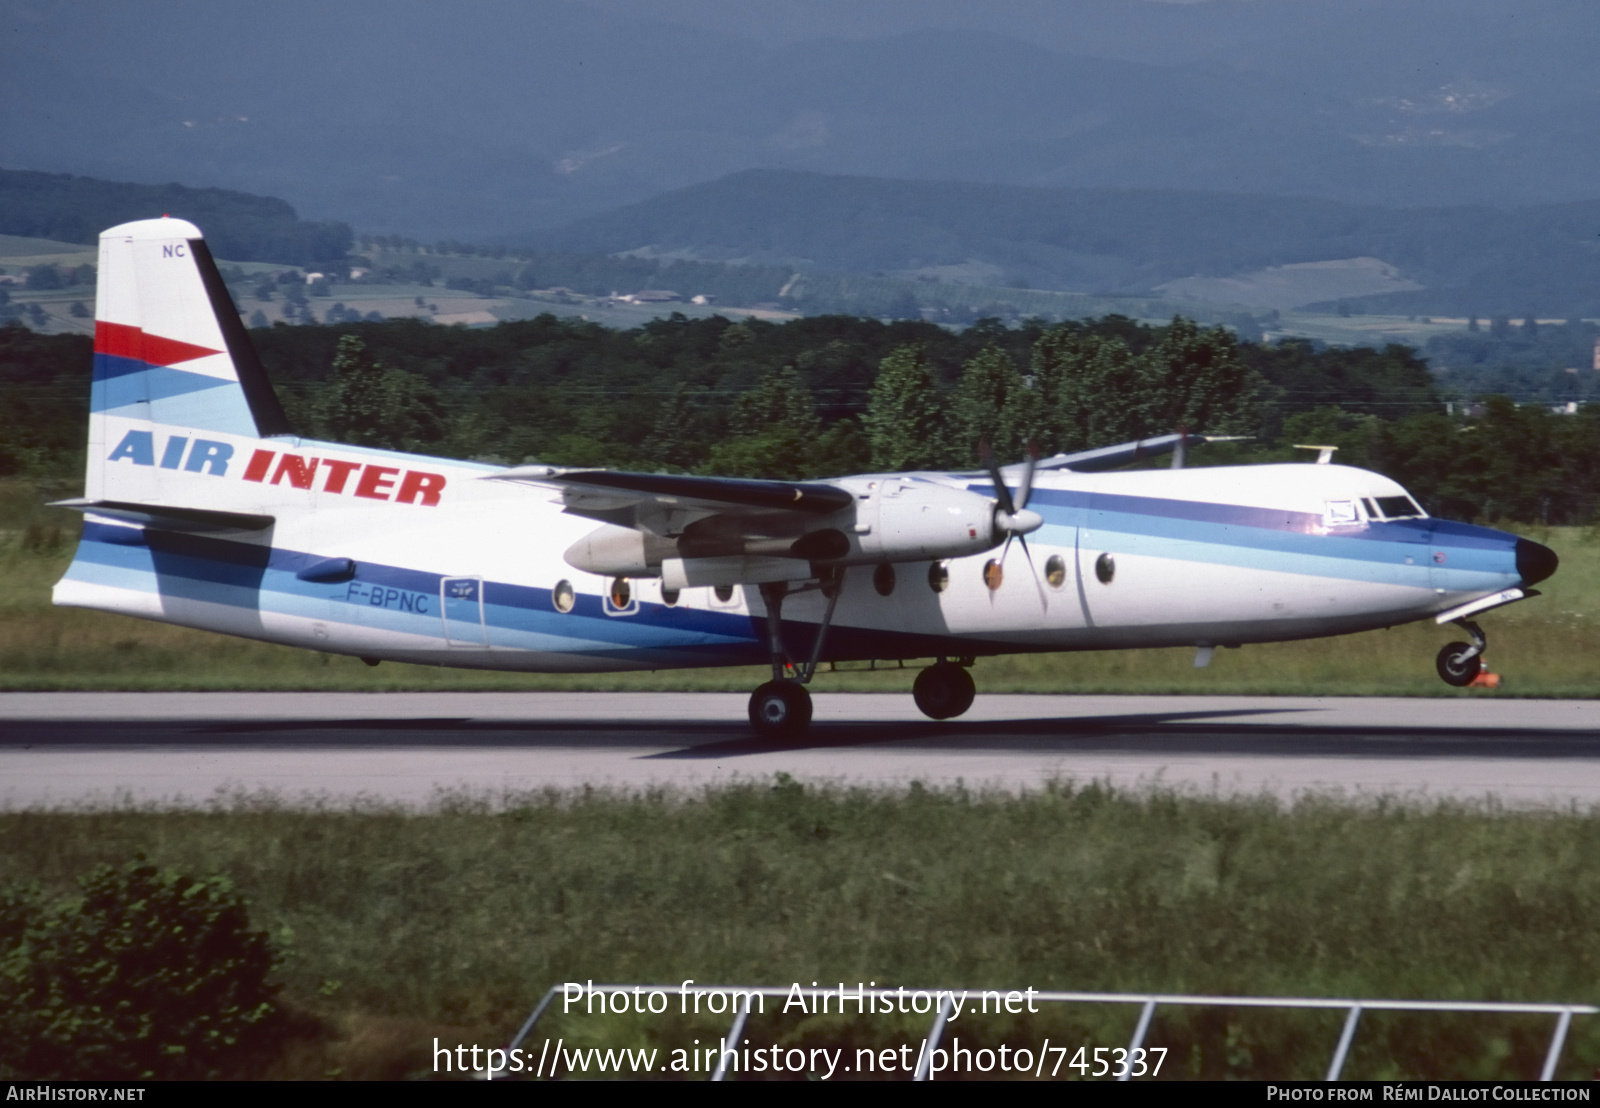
[
  {"x": 1544, "y": 647},
  {"x": 397, "y": 928}
]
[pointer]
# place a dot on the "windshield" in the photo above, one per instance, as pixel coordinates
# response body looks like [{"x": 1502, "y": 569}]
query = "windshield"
[{"x": 1393, "y": 507}]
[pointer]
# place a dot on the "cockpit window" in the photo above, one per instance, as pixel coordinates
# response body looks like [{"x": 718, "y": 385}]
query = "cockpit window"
[
  {"x": 1400, "y": 507},
  {"x": 1338, "y": 513}
]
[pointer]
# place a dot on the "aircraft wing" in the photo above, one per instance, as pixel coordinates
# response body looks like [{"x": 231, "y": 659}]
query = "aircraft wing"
[
  {"x": 664, "y": 503},
  {"x": 1109, "y": 457}
]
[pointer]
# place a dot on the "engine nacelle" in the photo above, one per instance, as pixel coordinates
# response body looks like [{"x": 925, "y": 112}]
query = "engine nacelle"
[
  {"x": 613, "y": 551},
  {"x": 893, "y": 519},
  {"x": 906, "y": 519}
]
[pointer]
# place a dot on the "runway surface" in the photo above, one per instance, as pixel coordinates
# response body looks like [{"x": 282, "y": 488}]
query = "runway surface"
[{"x": 95, "y": 749}]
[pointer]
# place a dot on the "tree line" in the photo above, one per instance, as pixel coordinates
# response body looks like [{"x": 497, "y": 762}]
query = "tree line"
[{"x": 825, "y": 396}]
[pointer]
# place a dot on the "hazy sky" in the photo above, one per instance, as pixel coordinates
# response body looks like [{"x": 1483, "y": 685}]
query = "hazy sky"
[
  {"x": 790, "y": 20},
  {"x": 458, "y": 117}
]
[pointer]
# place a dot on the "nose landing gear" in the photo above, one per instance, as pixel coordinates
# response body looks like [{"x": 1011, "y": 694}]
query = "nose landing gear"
[{"x": 1460, "y": 663}]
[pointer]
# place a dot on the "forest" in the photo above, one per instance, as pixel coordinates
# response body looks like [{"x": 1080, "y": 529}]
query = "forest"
[{"x": 830, "y": 395}]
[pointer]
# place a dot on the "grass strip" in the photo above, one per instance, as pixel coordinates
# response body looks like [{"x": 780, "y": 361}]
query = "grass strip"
[{"x": 401, "y": 927}]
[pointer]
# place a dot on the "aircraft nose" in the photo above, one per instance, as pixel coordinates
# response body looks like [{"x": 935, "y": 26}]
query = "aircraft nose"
[{"x": 1535, "y": 562}]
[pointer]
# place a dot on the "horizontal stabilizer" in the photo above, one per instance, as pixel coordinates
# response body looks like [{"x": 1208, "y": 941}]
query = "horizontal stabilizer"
[{"x": 166, "y": 518}]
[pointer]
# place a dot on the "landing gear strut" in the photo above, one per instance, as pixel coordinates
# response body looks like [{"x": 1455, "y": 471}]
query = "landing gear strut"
[
  {"x": 1460, "y": 663},
  {"x": 781, "y": 708},
  {"x": 944, "y": 690}
]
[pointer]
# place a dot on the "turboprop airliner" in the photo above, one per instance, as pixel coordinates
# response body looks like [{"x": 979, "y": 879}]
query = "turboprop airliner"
[{"x": 203, "y": 507}]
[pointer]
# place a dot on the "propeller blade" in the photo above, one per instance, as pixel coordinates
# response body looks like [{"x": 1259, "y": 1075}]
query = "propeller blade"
[
  {"x": 1001, "y": 493},
  {"x": 1027, "y": 476},
  {"x": 1011, "y": 515},
  {"x": 1044, "y": 599}
]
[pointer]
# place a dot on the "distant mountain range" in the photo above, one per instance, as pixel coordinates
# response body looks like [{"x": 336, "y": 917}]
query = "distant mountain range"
[
  {"x": 469, "y": 119},
  {"x": 1261, "y": 251}
]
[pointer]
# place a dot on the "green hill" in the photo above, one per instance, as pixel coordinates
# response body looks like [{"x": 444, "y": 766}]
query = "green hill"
[
  {"x": 1481, "y": 260},
  {"x": 238, "y": 225}
]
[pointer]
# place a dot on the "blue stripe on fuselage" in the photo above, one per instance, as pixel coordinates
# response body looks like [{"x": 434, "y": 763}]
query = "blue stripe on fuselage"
[
  {"x": 1295, "y": 542},
  {"x": 195, "y": 566},
  {"x": 259, "y": 578}
]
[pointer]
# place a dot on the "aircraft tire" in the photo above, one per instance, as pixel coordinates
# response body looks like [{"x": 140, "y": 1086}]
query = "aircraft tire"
[
  {"x": 944, "y": 691},
  {"x": 780, "y": 709},
  {"x": 1457, "y": 669}
]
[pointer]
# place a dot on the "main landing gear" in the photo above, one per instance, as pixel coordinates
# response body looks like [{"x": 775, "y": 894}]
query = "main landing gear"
[
  {"x": 1460, "y": 663},
  {"x": 781, "y": 708},
  {"x": 944, "y": 690}
]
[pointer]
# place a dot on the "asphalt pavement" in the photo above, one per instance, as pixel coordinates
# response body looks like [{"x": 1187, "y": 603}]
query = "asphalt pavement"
[{"x": 95, "y": 749}]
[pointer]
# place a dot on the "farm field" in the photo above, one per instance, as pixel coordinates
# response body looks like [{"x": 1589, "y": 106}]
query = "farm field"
[{"x": 460, "y": 306}]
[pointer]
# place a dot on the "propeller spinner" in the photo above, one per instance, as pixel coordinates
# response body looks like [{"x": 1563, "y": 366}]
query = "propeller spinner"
[{"x": 1011, "y": 515}]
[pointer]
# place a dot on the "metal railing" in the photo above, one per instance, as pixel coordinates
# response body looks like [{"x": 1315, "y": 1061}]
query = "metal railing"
[{"x": 1147, "y": 1004}]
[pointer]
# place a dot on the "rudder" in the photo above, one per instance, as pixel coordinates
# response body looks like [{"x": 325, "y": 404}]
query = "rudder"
[{"x": 170, "y": 349}]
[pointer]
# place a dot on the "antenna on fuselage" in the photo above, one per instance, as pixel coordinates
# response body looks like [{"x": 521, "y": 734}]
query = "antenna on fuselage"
[{"x": 1324, "y": 453}]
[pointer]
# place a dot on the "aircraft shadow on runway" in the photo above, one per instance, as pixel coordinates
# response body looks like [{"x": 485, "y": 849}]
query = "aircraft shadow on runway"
[{"x": 1172, "y": 733}]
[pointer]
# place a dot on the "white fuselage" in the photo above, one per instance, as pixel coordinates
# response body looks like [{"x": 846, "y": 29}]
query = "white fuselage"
[{"x": 451, "y": 567}]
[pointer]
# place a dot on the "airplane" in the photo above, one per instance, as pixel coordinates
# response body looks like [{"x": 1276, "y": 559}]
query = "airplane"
[{"x": 202, "y": 507}]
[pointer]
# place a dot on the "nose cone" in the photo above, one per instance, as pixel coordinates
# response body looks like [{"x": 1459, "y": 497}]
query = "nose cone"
[{"x": 1535, "y": 562}]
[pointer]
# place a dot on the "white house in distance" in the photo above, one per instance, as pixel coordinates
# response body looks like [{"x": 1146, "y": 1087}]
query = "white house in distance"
[{"x": 651, "y": 296}]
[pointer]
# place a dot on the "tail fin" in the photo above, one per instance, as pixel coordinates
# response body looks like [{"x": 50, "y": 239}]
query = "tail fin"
[{"x": 170, "y": 353}]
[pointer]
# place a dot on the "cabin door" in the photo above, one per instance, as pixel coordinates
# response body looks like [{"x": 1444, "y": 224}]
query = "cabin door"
[{"x": 461, "y": 606}]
